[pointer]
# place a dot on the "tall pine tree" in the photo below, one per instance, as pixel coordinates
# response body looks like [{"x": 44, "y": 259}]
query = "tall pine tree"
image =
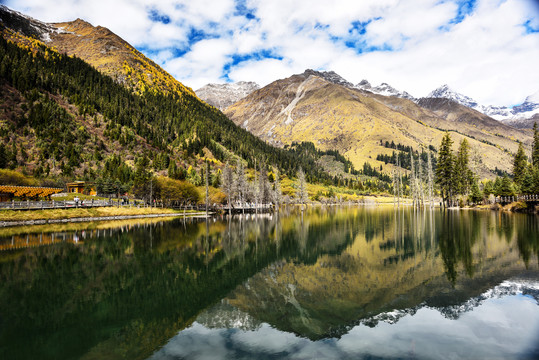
[
  {"x": 535, "y": 148},
  {"x": 519, "y": 165},
  {"x": 445, "y": 169}
]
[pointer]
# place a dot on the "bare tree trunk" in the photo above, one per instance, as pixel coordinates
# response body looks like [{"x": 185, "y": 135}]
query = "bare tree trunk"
[
  {"x": 207, "y": 188},
  {"x": 256, "y": 193},
  {"x": 420, "y": 177},
  {"x": 413, "y": 190}
]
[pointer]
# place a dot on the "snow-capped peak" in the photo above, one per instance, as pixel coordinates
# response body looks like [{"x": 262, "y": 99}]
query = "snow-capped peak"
[
  {"x": 26, "y": 24},
  {"x": 364, "y": 84},
  {"x": 527, "y": 109},
  {"x": 446, "y": 92},
  {"x": 383, "y": 89},
  {"x": 533, "y": 98}
]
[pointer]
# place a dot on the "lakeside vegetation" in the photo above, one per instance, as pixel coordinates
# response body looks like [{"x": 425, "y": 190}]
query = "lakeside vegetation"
[{"x": 14, "y": 215}]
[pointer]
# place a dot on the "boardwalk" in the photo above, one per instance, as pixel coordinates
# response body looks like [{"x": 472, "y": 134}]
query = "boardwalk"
[{"x": 246, "y": 208}]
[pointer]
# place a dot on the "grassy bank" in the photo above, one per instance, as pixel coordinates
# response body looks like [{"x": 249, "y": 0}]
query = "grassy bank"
[{"x": 12, "y": 215}]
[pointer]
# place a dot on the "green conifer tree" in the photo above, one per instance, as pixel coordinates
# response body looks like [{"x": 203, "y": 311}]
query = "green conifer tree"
[
  {"x": 519, "y": 165},
  {"x": 527, "y": 180},
  {"x": 445, "y": 169},
  {"x": 475, "y": 195},
  {"x": 535, "y": 148},
  {"x": 506, "y": 187}
]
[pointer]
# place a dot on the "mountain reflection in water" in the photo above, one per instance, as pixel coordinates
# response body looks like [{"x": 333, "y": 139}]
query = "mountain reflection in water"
[
  {"x": 328, "y": 283},
  {"x": 420, "y": 333}
]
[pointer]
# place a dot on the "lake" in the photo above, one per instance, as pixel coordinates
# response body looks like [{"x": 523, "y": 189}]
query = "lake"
[{"x": 329, "y": 283}]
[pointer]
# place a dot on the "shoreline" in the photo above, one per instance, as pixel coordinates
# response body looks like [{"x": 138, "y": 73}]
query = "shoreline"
[{"x": 97, "y": 218}]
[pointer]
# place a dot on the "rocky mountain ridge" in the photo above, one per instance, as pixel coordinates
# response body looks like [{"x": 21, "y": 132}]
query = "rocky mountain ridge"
[
  {"x": 515, "y": 115},
  {"x": 518, "y": 116},
  {"x": 27, "y": 25}
]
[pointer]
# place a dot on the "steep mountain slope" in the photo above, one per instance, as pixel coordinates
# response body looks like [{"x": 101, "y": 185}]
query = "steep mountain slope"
[
  {"x": 99, "y": 47},
  {"x": 223, "y": 95},
  {"x": 356, "y": 122}
]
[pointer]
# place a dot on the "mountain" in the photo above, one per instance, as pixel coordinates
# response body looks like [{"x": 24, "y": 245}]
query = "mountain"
[
  {"x": 525, "y": 114},
  {"x": 531, "y": 104},
  {"x": 383, "y": 89},
  {"x": 329, "y": 76},
  {"x": 359, "y": 123},
  {"x": 223, "y": 95},
  {"x": 517, "y": 115},
  {"x": 522, "y": 123},
  {"x": 99, "y": 47},
  {"x": 472, "y": 122},
  {"x": 446, "y": 92}
]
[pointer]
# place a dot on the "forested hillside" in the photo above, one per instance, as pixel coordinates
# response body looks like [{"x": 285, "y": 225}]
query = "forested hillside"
[{"x": 60, "y": 117}]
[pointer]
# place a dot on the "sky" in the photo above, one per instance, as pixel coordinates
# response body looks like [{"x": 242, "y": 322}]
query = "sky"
[
  {"x": 485, "y": 49},
  {"x": 477, "y": 334}
]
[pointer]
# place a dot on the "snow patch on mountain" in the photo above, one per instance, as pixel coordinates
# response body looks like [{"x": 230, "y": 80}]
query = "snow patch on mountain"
[
  {"x": 223, "y": 95},
  {"x": 446, "y": 92},
  {"x": 525, "y": 110},
  {"x": 507, "y": 288},
  {"x": 383, "y": 89},
  {"x": 27, "y": 25}
]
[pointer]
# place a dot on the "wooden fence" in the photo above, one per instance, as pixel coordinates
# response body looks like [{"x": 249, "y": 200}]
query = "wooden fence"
[
  {"x": 510, "y": 199},
  {"x": 67, "y": 204},
  {"x": 70, "y": 204}
]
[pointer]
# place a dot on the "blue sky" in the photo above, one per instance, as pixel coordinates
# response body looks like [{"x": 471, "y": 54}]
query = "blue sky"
[{"x": 486, "y": 49}]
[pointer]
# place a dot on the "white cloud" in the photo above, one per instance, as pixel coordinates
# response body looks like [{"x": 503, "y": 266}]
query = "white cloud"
[
  {"x": 203, "y": 63},
  {"x": 477, "y": 334},
  {"x": 488, "y": 55},
  {"x": 404, "y": 21},
  {"x": 263, "y": 71}
]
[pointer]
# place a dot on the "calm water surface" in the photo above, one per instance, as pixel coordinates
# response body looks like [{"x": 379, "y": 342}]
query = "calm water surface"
[{"x": 348, "y": 283}]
